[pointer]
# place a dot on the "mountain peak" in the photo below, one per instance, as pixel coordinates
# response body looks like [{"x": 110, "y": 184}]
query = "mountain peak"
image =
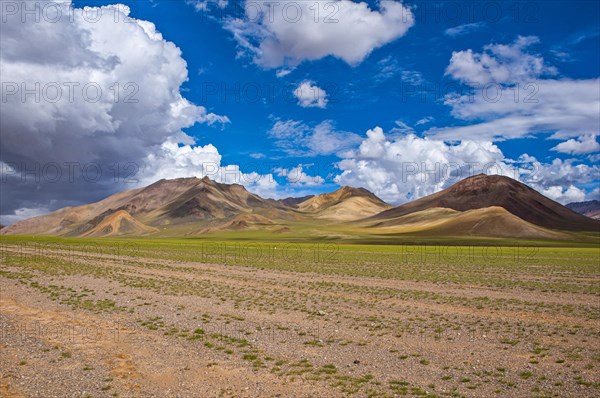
[
  {"x": 347, "y": 191},
  {"x": 483, "y": 178},
  {"x": 344, "y": 204},
  {"x": 481, "y": 191}
]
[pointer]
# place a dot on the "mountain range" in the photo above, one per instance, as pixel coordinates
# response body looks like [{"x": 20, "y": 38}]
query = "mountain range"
[
  {"x": 482, "y": 205},
  {"x": 591, "y": 208}
]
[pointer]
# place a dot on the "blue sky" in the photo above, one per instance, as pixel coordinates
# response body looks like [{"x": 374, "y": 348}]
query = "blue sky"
[
  {"x": 358, "y": 102},
  {"x": 351, "y": 97}
]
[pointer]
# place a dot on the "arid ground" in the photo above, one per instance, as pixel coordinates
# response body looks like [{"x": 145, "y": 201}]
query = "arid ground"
[{"x": 192, "y": 318}]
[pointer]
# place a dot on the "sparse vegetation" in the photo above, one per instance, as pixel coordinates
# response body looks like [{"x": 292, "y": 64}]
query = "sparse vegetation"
[{"x": 366, "y": 320}]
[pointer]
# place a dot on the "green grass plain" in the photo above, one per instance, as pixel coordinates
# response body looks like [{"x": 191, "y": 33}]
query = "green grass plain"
[{"x": 499, "y": 263}]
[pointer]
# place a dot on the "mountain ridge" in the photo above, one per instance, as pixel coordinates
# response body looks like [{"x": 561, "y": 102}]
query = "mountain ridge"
[
  {"x": 479, "y": 205},
  {"x": 589, "y": 208}
]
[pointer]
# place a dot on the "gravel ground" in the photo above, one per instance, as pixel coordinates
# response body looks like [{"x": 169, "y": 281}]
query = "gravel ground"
[{"x": 153, "y": 328}]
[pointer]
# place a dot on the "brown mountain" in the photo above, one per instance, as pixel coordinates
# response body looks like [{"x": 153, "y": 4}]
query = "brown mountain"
[
  {"x": 590, "y": 208},
  {"x": 166, "y": 203},
  {"x": 344, "y": 204},
  {"x": 294, "y": 202},
  {"x": 119, "y": 223},
  {"x": 482, "y": 205},
  {"x": 491, "y": 221},
  {"x": 190, "y": 206},
  {"x": 482, "y": 191}
]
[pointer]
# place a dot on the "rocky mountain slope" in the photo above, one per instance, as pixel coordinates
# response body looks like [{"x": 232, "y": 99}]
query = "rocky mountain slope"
[{"x": 483, "y": 191}]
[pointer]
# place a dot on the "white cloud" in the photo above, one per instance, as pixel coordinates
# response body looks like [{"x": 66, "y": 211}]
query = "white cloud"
[
  {"x": 425, "y": 120},
  {"x": 133, "y": 104},
  {"x": 389, "y": 67},
  {"x": 299, "y": 139},
  {"x": 594, "y": 195},
  {"x": 290, "y": 32},
  {"x": 583, "y": 145},
  {"x": 283, "y": 72},
  {"x": 564, "y": 194},
  {"x": 205, "y": 5},
  {"x": 6, "y": 170},
  {"x": 132, "y": 56},
  {"x": 409, "y": 167},
  {"x": 402, "y": 128},
  {"x": 594, "y": 158},
  {"x": 298, "y": 177},
  {"x": 22, "y": 214},
  {"x": 510, "y": 98},
  {"x": 563, "y": 173},
  {"x": 499, "y": 63},
  {"x": 176, "y": 161},
  {"x": 310, "y": 95},
  {"x": 464, "y": 29},
  {"x": 566, "y": 108}
]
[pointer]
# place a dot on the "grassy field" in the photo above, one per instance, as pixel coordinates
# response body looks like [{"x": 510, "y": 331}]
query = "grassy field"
[{"x": 240, "y": 316}]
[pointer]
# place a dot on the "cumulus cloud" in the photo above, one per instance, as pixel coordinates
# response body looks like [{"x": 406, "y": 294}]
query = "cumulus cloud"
[
  {"x": 174, "y": 160},
  {"x": 299, "y": 139},
  {"x": 594, "y": 195},
  {"x": 583, "y": 145},
  {"x": 511, "y": 96},
  {"x": 564, "y": 194},
  {"x": 289, "y": 32},
  {"x": 558, "y": 173},
  {"x": 310, "y": 95},
  {"x": 409, "y": 167},
  {"x": 298, "y": 177},
  {"x": 499, "y": 63},
  {"x": 94, "y": 87}
]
